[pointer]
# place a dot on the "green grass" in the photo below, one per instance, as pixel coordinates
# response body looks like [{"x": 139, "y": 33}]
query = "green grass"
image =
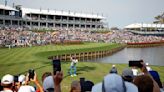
[{"x": 19, "y": 60}]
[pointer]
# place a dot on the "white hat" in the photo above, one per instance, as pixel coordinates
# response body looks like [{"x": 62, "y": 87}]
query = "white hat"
[
  {"x": 114, "y": 83},
  {"x": 26, "y": 89},
  {"x": 48, "y": 83},
  {"x": 147, "y": 63},
  {"x": 21, "y": 78},
  {"x": 113, "y": 65},
  {"x": 7, "y": 79}
]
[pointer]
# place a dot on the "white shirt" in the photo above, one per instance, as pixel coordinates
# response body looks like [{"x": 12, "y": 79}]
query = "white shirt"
[
  {"x": 74, "y": 61},
  {"x": 26, "y": 89},
  {"x": 148, "y": 68},
  {"x": 135, "y": 72},
  {"x": 6, "y": 91}
]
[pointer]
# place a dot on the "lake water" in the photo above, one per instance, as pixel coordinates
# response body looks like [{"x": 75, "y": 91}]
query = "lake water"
[{"x": 152, "y": 55}]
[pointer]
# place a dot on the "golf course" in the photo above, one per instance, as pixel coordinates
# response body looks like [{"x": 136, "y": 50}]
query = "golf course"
[{"x": 17, "y": 61}]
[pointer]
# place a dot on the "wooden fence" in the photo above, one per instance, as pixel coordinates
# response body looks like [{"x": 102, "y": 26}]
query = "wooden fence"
[{"x": 87, "y": 55}]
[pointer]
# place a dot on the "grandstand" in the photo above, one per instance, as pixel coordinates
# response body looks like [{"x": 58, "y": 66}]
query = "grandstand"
[
  {"x": 146, "y": 29},
  {"x": 48, "y": 19}
]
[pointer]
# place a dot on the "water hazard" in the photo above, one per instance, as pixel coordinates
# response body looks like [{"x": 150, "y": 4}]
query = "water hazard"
[{"x": 152, "y": 55}]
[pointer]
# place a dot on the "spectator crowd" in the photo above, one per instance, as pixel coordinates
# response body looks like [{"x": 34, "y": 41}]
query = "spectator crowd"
[
  {"x": 148, "y": 80},
  {"x": 10, "y": 37},
  {"x": 145, "y": 81}
]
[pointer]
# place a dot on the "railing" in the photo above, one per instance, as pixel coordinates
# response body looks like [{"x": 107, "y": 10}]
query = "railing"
[
  {"x": 147, "y": 32},
  {"x": 9, "y": 17}
]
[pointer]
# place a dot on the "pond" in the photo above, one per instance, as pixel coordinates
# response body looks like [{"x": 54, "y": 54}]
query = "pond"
[{"x": 152, "y": 55}]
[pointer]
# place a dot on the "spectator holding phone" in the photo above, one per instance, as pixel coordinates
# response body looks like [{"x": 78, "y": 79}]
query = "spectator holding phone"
[
  {"x": 51, "y": 82},
  {"x": 73, "y": 66},
  {"x": 145, "y": 82},
  {"x": 7, "y": 83},
  {"x": 34, "y": 79},
  {"x": 58, "y": 77}
]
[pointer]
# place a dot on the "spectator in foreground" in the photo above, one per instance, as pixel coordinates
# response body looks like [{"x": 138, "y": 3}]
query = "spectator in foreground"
[
  {"x": 51, "y": 83},
  {"x": 114, "y": 83},
  {"x": 28, "y": 88},
  {"x": 144, "y": 83},
  {"x": 81, "y": 86},
  {"x": 135, "y": 71},
  {"x": 48, "y": 84},
  {"x": 146, "y": 80},
  {"x": 22, "y": 79},
  {"x": 75, "y": 86},
  {"x": 114, "y": 69},
  {"x": 1, "y": 88},
  {"x": 86, "y": 86},
  {"x": 46, "y": 74},
  {"x": 7, "y": 83},
  {"x": 127, "y": 75},
  {"x": 156, "y": 77},
  {"x": 148, "y": 67},
  {"x": 57, "y": 80}
]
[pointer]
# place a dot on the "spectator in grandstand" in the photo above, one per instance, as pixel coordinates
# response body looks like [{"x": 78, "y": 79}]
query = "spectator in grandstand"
[
  {"x": 74, "y": 61},
  {"x": 113, "y": 70},
  {"x": 114, "y": 83},
  {"x": 28, "y": 38},
  {"x": 7, "y": 83},
  {"x": 145, "y": 82},
  {"x": 127, "y": 75}
]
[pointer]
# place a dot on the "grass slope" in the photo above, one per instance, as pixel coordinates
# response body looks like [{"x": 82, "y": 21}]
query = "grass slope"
[{"x": 19, "y": 60}]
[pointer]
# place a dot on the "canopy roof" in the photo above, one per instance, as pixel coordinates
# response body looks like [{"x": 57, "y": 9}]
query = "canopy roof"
[
  {"x": 144, "y": 25},
  {"x": 63, "y": 13},
  {"x": 7, "y": 8}
]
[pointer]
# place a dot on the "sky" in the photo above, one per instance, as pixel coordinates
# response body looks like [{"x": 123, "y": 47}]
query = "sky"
[{"x": 118, "y": 13}]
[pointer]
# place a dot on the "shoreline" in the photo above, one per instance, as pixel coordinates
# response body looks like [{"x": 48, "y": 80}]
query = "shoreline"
[
  {"x": 101, "y": 53},
  {"x": 145, "y": 44},
  {"x": 87, "y": 55}
]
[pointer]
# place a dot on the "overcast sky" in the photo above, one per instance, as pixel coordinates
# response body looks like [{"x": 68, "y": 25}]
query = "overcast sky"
[{"x": 117, "y": 12}]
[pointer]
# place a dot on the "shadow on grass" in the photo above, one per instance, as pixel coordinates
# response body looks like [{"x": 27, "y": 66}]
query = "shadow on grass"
[
  {"x": 81, "y": 69},
  {"x": 85, "y": 68},
  {"x": 20, "y": 63},
  {"x": 37, "y": 68}
]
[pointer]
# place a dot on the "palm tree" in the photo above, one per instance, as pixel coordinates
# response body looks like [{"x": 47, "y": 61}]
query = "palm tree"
[{"x": 159, "y": 18}]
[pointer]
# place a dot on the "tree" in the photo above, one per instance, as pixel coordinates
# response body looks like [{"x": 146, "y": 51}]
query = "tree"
[{"x": 159, "y": 18}]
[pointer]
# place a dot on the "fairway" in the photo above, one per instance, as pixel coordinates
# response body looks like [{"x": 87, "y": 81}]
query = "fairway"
[{"x": 19, "y": 60}]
